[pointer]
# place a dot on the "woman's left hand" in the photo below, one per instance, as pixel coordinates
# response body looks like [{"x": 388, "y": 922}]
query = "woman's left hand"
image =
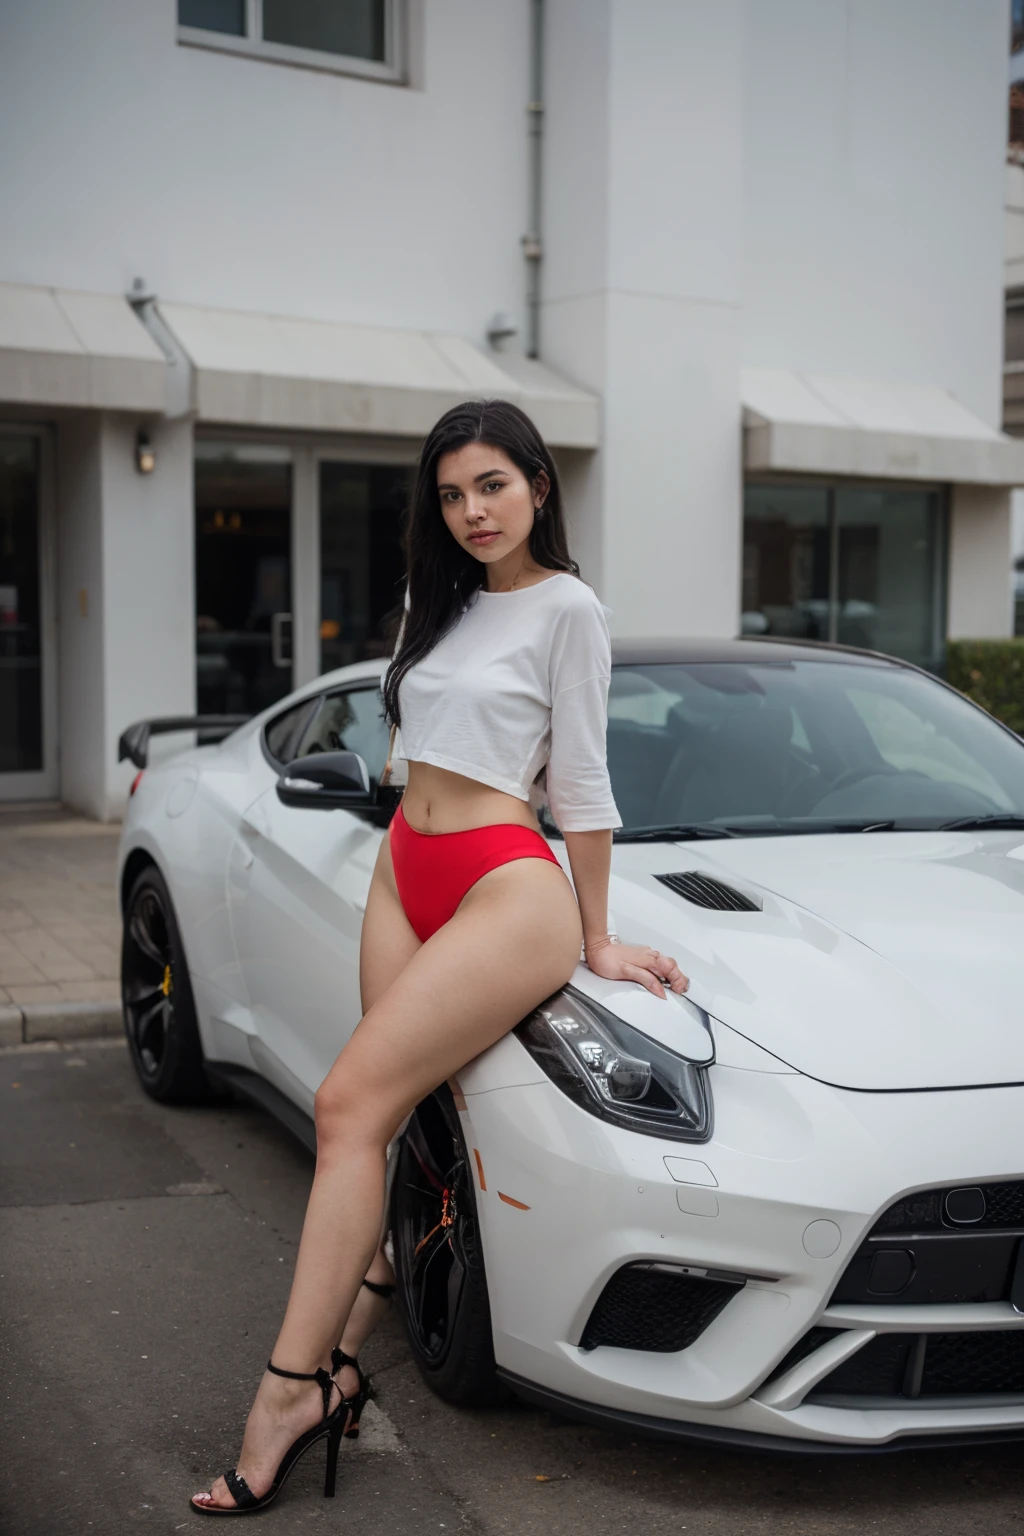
[{"x": 635, "y": 962}]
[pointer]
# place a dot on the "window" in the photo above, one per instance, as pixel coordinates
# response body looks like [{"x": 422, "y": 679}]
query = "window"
[
  {"x": 350, "y": 722},
  {"x": 280, "y": 733},
  {"x": 243, "y": 497},
  {"x": 226, "y": 16},
  {"x": 21, "y": 596},
  {"x": 349, "y": 36},
  {"x": 1016, "y": 133},
  {"x": 860, "y": 565},
  {"x": 1013, "y": 335},
  {"x": 361, "y": 561},
  {"x": 803, "y": 746}
]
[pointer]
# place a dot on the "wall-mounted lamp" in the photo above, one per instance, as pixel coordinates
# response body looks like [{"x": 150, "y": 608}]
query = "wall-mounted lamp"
[{"x": 145, "y": 454}]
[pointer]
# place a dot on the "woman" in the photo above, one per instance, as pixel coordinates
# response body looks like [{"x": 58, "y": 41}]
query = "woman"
[{"x": 502, "y": 667}]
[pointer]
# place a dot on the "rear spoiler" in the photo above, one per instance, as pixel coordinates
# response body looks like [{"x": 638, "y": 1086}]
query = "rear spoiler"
[{"x": 134, "y": 742}]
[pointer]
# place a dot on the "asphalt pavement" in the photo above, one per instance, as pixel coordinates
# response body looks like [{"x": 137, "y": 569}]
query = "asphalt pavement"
[{"x": 145, "y": 1255}]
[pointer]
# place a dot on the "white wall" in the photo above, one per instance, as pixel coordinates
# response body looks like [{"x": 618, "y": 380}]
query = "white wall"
[
  {"x": 148, "y": 586},
  {"x": 641, "y": 301},
  {"x": 980, "y": 601},
  {"x": 874, "y": 153},
  {"x": 127, "y": 606},
  {"x": 249, "y": 185}
]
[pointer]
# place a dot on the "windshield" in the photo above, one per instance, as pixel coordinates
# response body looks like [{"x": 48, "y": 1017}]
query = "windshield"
[{"x": 801, "y": 746}]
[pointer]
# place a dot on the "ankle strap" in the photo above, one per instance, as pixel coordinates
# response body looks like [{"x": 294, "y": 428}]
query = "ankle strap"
[
  {"x": 320, "y": 1376},
  {"x": 386, "y": 1291},
  {"x": 339, "y": 1358}
]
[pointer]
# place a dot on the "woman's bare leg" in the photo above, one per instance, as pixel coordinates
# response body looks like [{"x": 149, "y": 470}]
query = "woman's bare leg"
[
  {"x": 514, "y": 940},
  {"x": 388, "y": 944},
  {"x": 367, "y": 1311}
]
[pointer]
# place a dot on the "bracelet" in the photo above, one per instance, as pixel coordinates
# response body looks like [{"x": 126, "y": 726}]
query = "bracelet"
[{"x": 610, "y": 938}]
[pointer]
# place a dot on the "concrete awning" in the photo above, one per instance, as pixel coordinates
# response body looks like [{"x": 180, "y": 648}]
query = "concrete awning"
[
  {"x": 263, "y": 370},
  {"x": 61, "y": 348},
  {"x": 829, "y": 425}
]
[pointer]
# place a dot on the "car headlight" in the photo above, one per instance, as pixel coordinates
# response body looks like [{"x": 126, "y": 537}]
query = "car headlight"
[{"x": 613, "y": 1071}]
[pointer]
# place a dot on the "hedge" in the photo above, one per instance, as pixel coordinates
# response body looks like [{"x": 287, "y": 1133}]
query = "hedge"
[{"x": 991, "y": 672}]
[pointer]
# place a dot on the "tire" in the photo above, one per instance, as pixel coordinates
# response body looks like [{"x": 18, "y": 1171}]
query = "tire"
[
  {"x": 439, "y": 1262},
  {"x": 156, "y": 997}
]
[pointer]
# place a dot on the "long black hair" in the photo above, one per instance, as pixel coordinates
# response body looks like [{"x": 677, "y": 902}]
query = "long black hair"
[{"x": 444, "y": 577}]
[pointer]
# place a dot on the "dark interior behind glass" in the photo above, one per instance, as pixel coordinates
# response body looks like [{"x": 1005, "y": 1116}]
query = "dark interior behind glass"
[
  {"x": 362, "y": 566},
  {"x": 858, "y": 564},
  {"x": 21, "y": 645}
]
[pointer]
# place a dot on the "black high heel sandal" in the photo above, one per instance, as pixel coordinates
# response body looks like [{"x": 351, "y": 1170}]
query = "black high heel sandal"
[
  {"x": 331, "y": 1425},
  {"x": 352, "y": 1407}
]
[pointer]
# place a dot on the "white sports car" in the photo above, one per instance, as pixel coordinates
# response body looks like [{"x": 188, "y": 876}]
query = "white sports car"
[{"x": 787, "y": 1211}]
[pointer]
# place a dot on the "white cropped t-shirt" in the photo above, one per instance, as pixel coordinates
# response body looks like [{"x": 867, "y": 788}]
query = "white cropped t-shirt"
[{"x": 520, "y": 682}]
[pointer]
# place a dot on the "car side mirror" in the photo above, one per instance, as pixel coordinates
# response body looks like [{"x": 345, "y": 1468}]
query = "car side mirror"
[{"x": 326, "y": 781}]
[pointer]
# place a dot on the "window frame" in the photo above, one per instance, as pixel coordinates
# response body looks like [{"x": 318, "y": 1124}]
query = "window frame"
[
  {"x": 307, "y": 716},
  {"x": 360, "y": 685},
  {"x": 393, "y": 71},
  {"x": 833, "y": 485},
  {"x": 305, "y": 709}
]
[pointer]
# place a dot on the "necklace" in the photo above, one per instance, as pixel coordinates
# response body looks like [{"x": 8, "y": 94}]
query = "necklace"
[{"x": 515, "y": 579}]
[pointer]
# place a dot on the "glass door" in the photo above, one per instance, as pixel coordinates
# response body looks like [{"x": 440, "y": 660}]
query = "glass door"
[
  {"x": 787, "y": 544},
  {"x": 889, "y": 572},
  {"x": 243, "y": 576},
  {"x": 859, "y": 564},
  {"x": 27, "y": 759},
  {"x": 362, "y": 566}
]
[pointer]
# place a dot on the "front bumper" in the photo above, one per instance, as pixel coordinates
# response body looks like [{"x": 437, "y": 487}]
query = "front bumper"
[{"x": 798, "y": 1174}]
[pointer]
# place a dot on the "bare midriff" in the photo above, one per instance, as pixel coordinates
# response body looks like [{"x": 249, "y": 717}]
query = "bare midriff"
[{"x": 437, "y": 801}]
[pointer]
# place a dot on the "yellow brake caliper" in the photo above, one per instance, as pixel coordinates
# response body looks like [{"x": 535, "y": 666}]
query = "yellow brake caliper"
[{"x": 165, "y": 985}]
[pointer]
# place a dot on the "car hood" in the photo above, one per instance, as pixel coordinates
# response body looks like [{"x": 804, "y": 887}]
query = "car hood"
[{"x": 877, "y": 961}]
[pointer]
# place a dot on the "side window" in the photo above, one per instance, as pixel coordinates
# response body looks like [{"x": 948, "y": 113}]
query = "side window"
[
  {"x": 352, "y": 721},
  {"x": 280, "y": 733}
]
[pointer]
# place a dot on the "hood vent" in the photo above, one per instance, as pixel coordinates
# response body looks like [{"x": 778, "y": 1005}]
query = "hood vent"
[{"x": 706, "y": 891}]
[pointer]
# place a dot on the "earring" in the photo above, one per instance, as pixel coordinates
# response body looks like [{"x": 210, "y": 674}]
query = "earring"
[{"x": 538, "y": 512}]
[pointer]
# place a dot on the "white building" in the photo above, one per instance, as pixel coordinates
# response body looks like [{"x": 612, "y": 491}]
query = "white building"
[{"x": 769, "y": 326}]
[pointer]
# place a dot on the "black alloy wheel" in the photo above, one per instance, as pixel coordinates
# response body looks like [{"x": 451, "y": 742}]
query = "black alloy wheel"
[
  {"x": 439, "y": 1263},
  {"x": 156, "y": 997}
]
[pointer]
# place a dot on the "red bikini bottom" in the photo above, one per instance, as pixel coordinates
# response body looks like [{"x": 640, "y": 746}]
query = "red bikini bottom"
[{"x": 434, "y": 870}]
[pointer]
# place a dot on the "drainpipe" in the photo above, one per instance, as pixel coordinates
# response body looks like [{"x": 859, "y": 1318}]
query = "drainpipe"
[
  {"x": 532, "y": 247},
  {"x": 179, "y": 364}
]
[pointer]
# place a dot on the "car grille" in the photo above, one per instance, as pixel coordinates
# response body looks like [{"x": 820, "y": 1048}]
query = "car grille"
[
  {"x": 926, "y": 1210},
  {"x": 960, "y": 1243},
  {"x": 903, "y": 1365},
  {"x": 705, "y": 891},
  {"x": 655, "y": 1307}
]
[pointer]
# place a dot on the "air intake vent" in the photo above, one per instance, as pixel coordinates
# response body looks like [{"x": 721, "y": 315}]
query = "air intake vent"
[
  {"x": 654, "y": 1307},
  {"x": 705, "y": 891}
]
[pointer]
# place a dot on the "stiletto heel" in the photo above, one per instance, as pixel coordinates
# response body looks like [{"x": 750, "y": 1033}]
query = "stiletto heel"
[
  {"x": 351, "y": 1408},
  {"x": 333, "y": 1446},
  {"x": 331, "y": 1426}
]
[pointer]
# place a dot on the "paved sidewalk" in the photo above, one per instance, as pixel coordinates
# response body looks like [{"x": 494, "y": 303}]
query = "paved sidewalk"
[{"x": 60, "y": 930}]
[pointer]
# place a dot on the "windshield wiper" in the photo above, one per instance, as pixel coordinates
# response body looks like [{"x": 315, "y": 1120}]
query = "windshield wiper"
[
  {"x": 999, "y": 821},
  {"x": 670, "y": 833}
]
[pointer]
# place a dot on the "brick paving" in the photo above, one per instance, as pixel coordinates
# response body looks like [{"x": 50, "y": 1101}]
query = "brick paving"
[{"x": 60, "y": 931}]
